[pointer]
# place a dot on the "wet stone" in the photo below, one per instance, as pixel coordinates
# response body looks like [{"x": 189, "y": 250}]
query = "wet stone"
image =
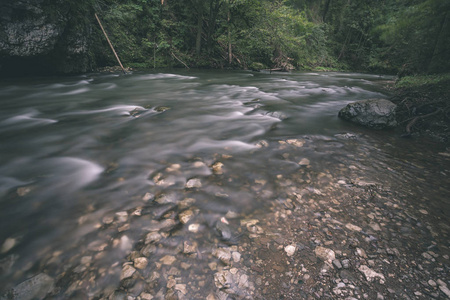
[
  {"x": 218, "y": 168},
  {"x": 236, "y": 256},
  {"x": 140, "y": 262},
  {"x": 168, "y": 260},
  {"x": 127, "y": 272},
  {"x": 224, "y": 254},
  {"x": 290, "y": 250},
  {"x": 325, "y": 254},
  {"x": 194, "y": 228},
  {"x": 146, "y": 296},
  {"x": 346, "y": 263},
  {"x": 432, "y": 283},
  {"x": 445, "y": 290},
  {"x": 122, "y": 216},
  {"x": 37, "y": 287},
  {"x": 371, "y": 274},
  {"x": 148, "y": 197},
  {"x": 337, "y": 264},
  {"x": 304, "y": 162},
  {"x": 189, "y": 247},
  {"x": 353, "y": 227},
  {"x": 8, "y": 244},
  {"x": 193, "y": 183},
  {"x": 186, "y": 216}
]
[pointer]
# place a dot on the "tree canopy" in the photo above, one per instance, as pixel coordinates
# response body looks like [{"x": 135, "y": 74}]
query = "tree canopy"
[{"x": 407, "y": 36}]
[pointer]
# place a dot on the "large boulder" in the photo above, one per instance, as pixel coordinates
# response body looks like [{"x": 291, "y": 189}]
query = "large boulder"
[{"x": 372, "y": 113}]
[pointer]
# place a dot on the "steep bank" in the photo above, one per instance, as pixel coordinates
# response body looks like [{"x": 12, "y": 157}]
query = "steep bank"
[
  {"x": 44, "y": 37},
  {"x": 424, "y": 106}
]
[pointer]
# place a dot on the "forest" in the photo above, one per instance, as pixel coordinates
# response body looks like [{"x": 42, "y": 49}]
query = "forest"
[{"x": 389, "y": 36}]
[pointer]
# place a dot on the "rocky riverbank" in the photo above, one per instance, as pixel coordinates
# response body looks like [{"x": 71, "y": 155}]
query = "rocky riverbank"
[{"x": 325, "y": 235}]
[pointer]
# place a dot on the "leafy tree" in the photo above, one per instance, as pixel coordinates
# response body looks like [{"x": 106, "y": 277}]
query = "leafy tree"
[{"x": 419, "y": 36}]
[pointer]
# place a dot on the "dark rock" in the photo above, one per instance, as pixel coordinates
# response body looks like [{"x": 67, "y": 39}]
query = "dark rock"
[
  {"x": 44, "y": 37},
  {"x": 337, "y": 264},
  {"x": 222, "y": 229},
  {"x": 37, "y": 287},
  {"x": 372, "y": 113}
]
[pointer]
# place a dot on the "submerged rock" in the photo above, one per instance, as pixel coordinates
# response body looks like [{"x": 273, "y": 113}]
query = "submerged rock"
[
  {"x": 37, "y": 287},
  {"x": 372, "y": 113},
  {"x": 222, "y": 229}
]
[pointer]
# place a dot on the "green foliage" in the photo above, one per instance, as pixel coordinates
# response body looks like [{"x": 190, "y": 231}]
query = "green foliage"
[
  {"x": 418, "y": 35},
  {"x": 420, "y": 80},
  {"x": 378, "y": 36}
]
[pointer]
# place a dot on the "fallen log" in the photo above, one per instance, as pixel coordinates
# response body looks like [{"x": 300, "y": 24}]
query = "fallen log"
[
  {"x": 109, "y": 42},
  {"x": 414, "y": 120}
]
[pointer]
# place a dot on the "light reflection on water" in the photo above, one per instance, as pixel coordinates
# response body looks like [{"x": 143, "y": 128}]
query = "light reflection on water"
[{"x": 76, "y": 150}]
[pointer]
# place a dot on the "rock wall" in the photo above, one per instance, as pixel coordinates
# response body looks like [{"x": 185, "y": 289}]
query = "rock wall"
[{"x": 44, "y": 37}]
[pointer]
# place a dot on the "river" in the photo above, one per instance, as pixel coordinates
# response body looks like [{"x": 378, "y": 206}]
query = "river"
[{"x": 89, "y": 165}]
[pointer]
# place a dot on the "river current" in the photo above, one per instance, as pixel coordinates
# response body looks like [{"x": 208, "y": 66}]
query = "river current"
[{"x": 78, "y": 153}]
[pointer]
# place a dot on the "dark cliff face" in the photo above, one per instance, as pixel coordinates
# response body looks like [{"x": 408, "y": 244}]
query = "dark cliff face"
[{"x": 45, "y": 37}]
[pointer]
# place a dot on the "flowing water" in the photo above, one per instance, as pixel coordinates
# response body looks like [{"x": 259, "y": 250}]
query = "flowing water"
[{"x": 80, "y": 153}]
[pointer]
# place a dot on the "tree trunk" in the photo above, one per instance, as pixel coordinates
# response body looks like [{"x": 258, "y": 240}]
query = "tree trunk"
[
  {"x": 214, "y": 7},
  {"x": 436, "y": 43},
  {"x": 198, "y": 43},
  {"x": 325, "y": 10},
  {"x": 230, "y": 54}
]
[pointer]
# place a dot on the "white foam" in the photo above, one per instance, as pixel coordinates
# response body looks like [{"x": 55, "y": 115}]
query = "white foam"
[
  {"x": 165, "y": 76},
  {"x": 119, "y": 109},
  {"x": 76, "y": 92},
  {"x": 74, "y": 173},
  {"x": 29, "y": 119}
]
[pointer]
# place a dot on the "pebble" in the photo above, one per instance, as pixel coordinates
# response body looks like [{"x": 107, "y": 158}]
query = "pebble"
[
  {"x": 186, "y": 216},
  {"x": 445, "y": 290},
  {"x": 8, "y": 244},
  {"x": 224, "y": 254},
  {"x": 371, "y": 274},
  {"x": 217, "y": 168},
  {"x": 181, "y": 288},
  {"x": 353, "y": 227},
  {"x": 290, "y": 250},
  {"x": 140, "y": 263},
  {"x": 236, "y": 256},
  {"x": 337, "y": 264},
  {"x": 440, "y": 282},
  {"x": 296, "y": 142},
  {"x": 146, "y": 296},
  {"x": 148, "y": 197},
  {"x": 361, "y": 252},
  {"x": 193, "y": 183},
  {"x": 194, "y": 228},
  {"x": 122, "y": 216},
  {"x": 168, "y": 260},
  {"x": 346, "y": 263},
  {"x": 325, "y": 254},
  {"x": 304, "y": 162},
  {"x": 189, "y": 247},
  {"x": 152, "y": 237},
  {"x": 432, "y": 283},
  {"x": 375, "y": 226},
  {"x": 127, "y": 272}
]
